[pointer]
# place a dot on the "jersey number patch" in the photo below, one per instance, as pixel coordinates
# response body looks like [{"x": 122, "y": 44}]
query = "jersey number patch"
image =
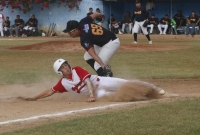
[{"x": 96, "y": 29}]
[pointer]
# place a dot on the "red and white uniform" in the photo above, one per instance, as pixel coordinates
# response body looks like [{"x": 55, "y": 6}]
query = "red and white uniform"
[
  {"x": 105, "y": 85},
  {"x": 75, "y": 83},
  {"x": 1, "y": 24}
]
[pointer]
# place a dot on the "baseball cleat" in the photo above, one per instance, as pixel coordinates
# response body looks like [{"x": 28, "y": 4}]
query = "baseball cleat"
[
  {"x": 161, "y": 92},
  {"x": 134, "y": 42},
  {"x": 150, "y": 42}
]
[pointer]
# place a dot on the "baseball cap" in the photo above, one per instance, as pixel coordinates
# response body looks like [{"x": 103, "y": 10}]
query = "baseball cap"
[
  {"x": 166, "y": 15},
  {"x": 152, "y": 14},
  {"x": 137, "y": 1},
  {"x": 72, "y": 24}
]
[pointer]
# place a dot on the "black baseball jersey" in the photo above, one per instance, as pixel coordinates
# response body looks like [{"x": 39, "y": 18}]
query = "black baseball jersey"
[
  {"x": 19, "y": 22},
  {"x": 112, "y": 20},
  {"x": 140, "y": 14},
  {"x": 193, "y": 19},
  {"x": 153, "y": 21},
  {"x": 178, "y": 18},
  {"x": 92, "y": 33},
  {"x": 126, "y": 19},
  {"x": 32, "y": 22},
  {"x": 7, "y": 23},
  {"x": 165, "y": 21}
]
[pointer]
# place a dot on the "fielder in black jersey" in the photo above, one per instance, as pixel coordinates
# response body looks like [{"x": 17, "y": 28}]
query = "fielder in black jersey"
[
  {"x": 140, "y": 15},
  {"x": 100, "y": 43}
]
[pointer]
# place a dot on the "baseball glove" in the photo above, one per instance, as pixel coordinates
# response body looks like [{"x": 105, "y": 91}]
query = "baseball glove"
[
  {"x": 145, "y": 23},
  {"x": 107, "y": 71}
]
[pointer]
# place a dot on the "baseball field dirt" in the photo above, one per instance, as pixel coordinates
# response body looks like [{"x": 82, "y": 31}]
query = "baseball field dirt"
[{"x": 14, "y": 109}]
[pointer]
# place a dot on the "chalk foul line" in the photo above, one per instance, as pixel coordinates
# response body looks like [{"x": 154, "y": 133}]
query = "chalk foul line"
[{"x": 68, "y": 112}]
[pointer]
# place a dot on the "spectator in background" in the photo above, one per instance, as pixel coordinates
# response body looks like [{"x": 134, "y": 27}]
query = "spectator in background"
[
  {"x": 164, "y": 23},
  {"x": 18, "y": 26},
  {"x": 152, "y": 23},
  {"x": 31, "y": 24},
  {"x": 6, "y": 25},
  {"x": 90, "y": 11},
  {"x": 127, "y": 21},
  {"x": 193, "y": 21},
  {"x": 99, "y": 20},
  {"x": 114, "y": 25},
  {"x": 178, "y": 18},
  {"x": 1, "y": 24}
]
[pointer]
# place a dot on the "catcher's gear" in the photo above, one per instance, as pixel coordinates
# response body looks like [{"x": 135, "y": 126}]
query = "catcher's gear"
[
  {"x": 107, "y": 71},
  {"x": 145, "y": 23},
  {"x": 57, "y": 64}
]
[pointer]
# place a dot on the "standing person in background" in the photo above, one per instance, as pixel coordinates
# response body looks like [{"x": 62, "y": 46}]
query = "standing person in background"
[
  {"x": 164, "y": 23},
  {"x": 1, "y": 24},
  {"x": 6, "y": 25},
  {"x": 99, "y": 20},
  {"x": 193, "y": 21},
  {"x": 140, "y": 15},
  {"x": 90, "y": 11}
]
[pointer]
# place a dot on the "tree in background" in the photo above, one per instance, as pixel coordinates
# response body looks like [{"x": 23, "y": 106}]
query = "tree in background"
[{"x": 26, "y": 5}]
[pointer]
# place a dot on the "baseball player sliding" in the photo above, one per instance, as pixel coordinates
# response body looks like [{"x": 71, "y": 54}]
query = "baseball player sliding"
[
  {"x": 140, "y": 15},
  {"x": 79, "y": 80},
  {"x": 100, "y": 43}
]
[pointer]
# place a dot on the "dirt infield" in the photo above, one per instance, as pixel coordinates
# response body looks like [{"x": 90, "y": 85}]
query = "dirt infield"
[
  {"x": 71, "y": 46},
  {"x": 12, "y": 108}
]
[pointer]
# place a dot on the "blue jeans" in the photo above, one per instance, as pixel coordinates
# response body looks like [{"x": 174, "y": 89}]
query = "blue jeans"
[{"x": 188, "y": 28}]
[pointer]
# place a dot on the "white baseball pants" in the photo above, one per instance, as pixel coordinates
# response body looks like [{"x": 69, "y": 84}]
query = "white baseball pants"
[
  {"x": 160, "y": 26},
  {"x": 105, "y": 52},
  {"x": 125, "y": 24},
  {"x": 138, "y": 25},
  {"x": 1, "y": 29},
  {"x": 151, "y": 27},
  {"x": 109, "y": 85},
  {"x": 29, "y": 28}
]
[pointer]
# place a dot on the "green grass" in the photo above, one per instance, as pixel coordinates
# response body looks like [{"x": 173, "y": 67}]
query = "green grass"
[
  {"x": 30, "y": 66},
  {"x": 175, "y": 118}
]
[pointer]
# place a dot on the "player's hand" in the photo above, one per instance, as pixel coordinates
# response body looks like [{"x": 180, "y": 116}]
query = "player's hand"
[
  {"x": 91, "y": 99},
  {"x": 26, "y": 99}
]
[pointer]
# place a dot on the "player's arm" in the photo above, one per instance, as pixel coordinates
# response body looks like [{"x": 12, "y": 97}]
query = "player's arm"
[
  {"x": 90, "y": 89},
  {"x": 198, "y": 21},
  {"x": 95, "y": 56},
  {"x": 44, "y": 94},
  {"x": 96, "y": 15}
]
